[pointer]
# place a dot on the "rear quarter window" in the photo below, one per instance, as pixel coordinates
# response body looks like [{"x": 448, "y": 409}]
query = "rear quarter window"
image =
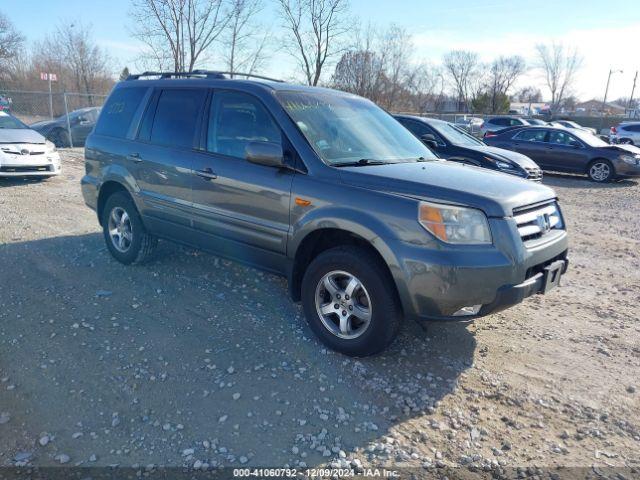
[{"x": 118, "y": 112}]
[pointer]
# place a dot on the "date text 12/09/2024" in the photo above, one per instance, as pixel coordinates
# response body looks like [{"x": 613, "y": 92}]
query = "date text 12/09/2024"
[{"x": 314, "y": 472}]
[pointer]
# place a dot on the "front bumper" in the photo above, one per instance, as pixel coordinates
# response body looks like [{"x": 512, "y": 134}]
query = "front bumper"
[
  {"x": 624, "y": 169},
  {"x": 437, "y": 284},
  {"x": 43, "y": 165}
]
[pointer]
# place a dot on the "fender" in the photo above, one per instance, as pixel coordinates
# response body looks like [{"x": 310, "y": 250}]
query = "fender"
[
  {"x": 358, "y": 222},
  {"x": 117, "y": 173}
]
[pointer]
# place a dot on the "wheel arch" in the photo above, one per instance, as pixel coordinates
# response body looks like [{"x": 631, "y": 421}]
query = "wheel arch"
[
  {"x": 599, "y": 159},
  {"x": 107, "y": 189},
  {"x": 322, "y": 239}
]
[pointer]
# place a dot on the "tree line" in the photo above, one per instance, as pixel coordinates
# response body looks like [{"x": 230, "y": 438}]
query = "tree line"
[{"x": 329, "y": 45}]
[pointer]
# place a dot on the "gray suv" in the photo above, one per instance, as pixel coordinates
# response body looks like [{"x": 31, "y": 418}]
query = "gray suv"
[{"x": 324, "y": 188}]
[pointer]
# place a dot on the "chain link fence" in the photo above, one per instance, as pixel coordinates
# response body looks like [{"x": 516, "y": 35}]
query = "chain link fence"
[{"x": 59, "y": 108}]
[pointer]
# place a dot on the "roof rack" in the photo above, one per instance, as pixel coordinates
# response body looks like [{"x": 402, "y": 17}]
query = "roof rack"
[{"x": 200, "y": 74}]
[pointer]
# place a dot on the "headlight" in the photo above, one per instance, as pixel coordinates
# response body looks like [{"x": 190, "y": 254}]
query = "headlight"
[
  {"x": 451, "y": 224},
  {"x": 501, "y": 164},
  {"x": 50, "y": 145},
  {"x": 630, "y": 159}
]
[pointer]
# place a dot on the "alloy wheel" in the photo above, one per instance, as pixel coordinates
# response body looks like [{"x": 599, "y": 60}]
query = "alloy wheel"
[
  {"x": 120, "y": 230},
  {"x": 599, "y": 171},
  {"x": 343, "y": 304}
]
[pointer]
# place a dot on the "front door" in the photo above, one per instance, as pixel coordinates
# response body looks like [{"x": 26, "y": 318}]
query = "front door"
[
  {"x": 244, "y": 205},
  {"x": 565, "y": 152}
]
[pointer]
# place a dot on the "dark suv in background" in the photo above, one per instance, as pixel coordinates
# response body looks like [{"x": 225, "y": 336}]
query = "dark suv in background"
[
  {"x": 324, "y": 188},
  {"x": 452, "y": 143}
]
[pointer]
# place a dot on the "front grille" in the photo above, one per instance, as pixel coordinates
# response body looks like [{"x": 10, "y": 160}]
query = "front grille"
[
  {"x": 9, "y": 169},
  {"x": 536, "y": 221},
  {"x": 534, "y": 173}
]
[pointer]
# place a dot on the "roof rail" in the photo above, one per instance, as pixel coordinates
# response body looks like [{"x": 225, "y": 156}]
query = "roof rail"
[{"x": 199, "y": 73}]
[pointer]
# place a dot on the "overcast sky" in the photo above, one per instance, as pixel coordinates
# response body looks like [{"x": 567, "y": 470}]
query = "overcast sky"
[{"x": 607, "y": 33}]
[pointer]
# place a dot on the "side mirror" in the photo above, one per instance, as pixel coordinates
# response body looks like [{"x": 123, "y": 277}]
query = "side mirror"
[
  {"x": 575, "y": 144},
  {"x": 268, "y": 154},
  {"x": 429, "y": 140}
]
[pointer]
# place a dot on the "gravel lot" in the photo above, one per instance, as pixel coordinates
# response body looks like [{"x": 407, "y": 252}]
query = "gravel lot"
[{"x": 196, "y": 361}]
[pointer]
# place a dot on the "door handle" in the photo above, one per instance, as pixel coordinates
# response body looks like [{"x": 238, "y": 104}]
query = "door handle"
[
  {"x": 206, "y": 174},
  {"x": 135, "y": 157}
]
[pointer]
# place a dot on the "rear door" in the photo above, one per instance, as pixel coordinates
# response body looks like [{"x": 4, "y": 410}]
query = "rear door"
[
  {"x": 532, "y": 143},
  {"x": 244, "y": 205},
  {"x": 161, "y": 161}
]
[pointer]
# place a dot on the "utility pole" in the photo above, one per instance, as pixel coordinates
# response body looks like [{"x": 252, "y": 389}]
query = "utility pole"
[
  {"x": 633, "y": 90},
  {"x": 604, "y": 100}
]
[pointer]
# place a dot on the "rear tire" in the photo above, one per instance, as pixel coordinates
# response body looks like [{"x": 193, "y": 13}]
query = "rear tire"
[
  {"x": 362, "y": 324},
  {"x": 124, "y": 233},
  {"x": 601, "y": 171},
  {"x": 625, "y": 141}
]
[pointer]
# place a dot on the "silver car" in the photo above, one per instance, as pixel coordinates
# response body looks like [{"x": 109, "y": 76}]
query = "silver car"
[
  {"x": 626, "y": 133},
  {"x": 24, "y": 152},
  {"x": 492, "y": 125},
  {"x": 573, "y": 126}
]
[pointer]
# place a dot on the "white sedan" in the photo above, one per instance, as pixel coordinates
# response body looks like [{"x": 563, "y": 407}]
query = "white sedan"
[{"x": 24, "y": 152}]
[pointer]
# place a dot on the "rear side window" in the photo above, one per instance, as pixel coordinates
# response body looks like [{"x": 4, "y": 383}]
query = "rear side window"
[
  {"x": 503, "y": 122},
  {"x": 531, "y": 135},
  {"x": 118, "y": 112},
  {"x": 176, "y": 117},
  {"x": 632, "y": 128}
]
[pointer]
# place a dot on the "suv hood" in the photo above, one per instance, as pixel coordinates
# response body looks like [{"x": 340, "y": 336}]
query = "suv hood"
[
  {"x": 20, "y": 135},
  {"x": 497, "y": 194},
  {"x": 506, "y": 155}
]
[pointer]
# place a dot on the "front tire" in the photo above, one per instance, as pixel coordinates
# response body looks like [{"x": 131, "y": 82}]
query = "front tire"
[
  {"x": 60, "y": 138},
  {"x": 350, "y": 302},
  {"x": 601, "y": 171},
  {"x": 124, "y": 233}
]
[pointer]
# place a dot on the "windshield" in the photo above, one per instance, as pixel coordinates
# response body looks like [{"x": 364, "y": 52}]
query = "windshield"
[
  {"x": 345, "y": 129},
  {"x": 455, "y": 135},
  {"x": 589, "y": 138},
  {"x": 7, "y": 121}
]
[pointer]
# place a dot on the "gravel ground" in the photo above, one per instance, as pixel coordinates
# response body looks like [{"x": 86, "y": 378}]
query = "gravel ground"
[{"x": 196, "y": 361}]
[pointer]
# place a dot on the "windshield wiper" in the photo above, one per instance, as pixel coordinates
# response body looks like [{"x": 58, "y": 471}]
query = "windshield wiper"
[{"x": 362, "y": 162}]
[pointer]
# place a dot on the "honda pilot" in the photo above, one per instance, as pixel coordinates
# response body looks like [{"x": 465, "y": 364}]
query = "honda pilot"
[{"x": 325, "y": 188}]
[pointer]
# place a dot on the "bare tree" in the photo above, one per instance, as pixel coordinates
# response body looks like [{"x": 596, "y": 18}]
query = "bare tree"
[
  {"x": 529, "y": 95},
  {"x": 502, "y": 74},
  {"x": 361, "y": 71},
  {"x": 317, "y": 28},
  {"x": 11, "y": 40},
  {"x": 397, "y": 49},
  {"x": 71, "y": 53},
  {"x": 246, "y": 40},
  {"x": 559, "y": 66},
  {"x": 178, "y": 32},
  {"x": 461, "y": 66},
  {"x": 382, "y": 68},
  {"x": 11, "y": 46}
]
